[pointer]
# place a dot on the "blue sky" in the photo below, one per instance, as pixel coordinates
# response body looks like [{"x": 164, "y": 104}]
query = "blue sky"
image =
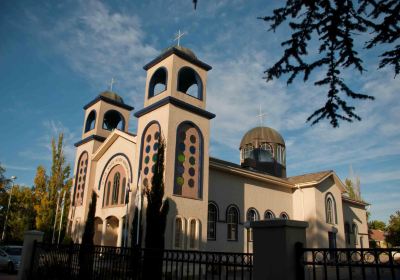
[{"x": 55, "y": 56}]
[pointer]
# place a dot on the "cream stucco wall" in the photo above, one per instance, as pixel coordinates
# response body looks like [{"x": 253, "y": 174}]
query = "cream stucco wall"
[
  {"x": 355, "y": 213},
  {"x": 226, "y": 189}
]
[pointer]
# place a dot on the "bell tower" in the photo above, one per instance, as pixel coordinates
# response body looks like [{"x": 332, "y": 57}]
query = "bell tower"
[{"x": 174, "y": 107}]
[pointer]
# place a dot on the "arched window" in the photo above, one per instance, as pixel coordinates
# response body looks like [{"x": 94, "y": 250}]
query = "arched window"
[
  {"x": 188, "y": 161},
  {"x": 179, "y": 233},
  {"x": 189, "y": 82},
  {"x": 284, "y": 215},
  {"x": 212, "y": 221},
  {"x": 347, "y": 232},
  {"x": 269, "y": 215},
  {"x": 267, "y": 147},
  {"x": 107, "y": 201},
  {"x": 116, "y": 184},
  {"x": 355, "y": 233},
  {"x": 252, "y": 215},
  {"x": 123, "y": 191},
  {"x": 80, "y": 179},
  {"x": 158, "y": 82},
  {"x": 112, "y": 120},
  {"x": 150, "y": 144},
  {"x": 247, "y": 151},
  {"x": 193, "y": 234},
  {"x": 330, "y": 209},
  {"x": 90, "y": 121},
  {"x": 232, "y": 220}
]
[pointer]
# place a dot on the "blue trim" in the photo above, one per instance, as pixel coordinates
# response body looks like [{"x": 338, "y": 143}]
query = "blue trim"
[
  {"x": 109, "y": 101},
  {"x": 179, "y": 53},
  {"x": 91, "y": 137},
  {"x": 142, "y": 140},
  {"x": 105, "y": 166},
  {"x": 198, "y": 80},
  {"x": 150, "y": 92},
  {"x": 178, "y": 103},
  {"x": 201, "y": 148}
]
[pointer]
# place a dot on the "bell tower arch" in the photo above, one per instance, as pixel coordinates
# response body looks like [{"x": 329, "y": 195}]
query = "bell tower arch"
[{"x": 174, "y": 103}]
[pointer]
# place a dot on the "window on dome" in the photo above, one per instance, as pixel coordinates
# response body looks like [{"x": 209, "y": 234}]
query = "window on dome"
[
  {"x": 266, "y": 153},
  {"x": 158, "y": 82},
  {"x": 112, "y": 120},
  {"x": 247, "y": 151},
  {"x": 90, "y": 121},
  {"x": 189, "y": 82}
]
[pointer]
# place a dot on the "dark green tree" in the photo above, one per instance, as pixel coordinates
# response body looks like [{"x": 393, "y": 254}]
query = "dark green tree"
[
  {"x": 393, "y": 229},
  {"x": 86, "y": 249},
  {"x": 375, "y": 224},
  {"x": 333, "y": 26},
  {"x": 156, "y": 218}
]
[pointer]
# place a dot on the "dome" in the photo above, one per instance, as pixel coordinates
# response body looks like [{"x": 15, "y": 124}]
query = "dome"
[
  {"x": 113, "y": 96},
  {"x": 262, "y": 134},
  {"x": 184, "y": 50}
]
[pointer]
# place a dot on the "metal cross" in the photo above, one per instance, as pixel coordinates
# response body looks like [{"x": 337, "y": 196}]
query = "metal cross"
[
  {"x": 178, "y": 36},
  {"x": 261, "y": 115},
  {"x": 111, "y": 83}
]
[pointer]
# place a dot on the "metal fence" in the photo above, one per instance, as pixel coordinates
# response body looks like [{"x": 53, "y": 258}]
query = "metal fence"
[
  {"x": 343, "y": 264},
  {"x": 101, "y": 262}
]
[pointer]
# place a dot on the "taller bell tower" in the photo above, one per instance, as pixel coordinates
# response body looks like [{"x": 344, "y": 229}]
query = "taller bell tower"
[{"x": 174, "y": 108}]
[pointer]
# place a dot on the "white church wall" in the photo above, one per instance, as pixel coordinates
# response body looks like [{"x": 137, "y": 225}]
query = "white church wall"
[{"x": 227, "y": 189}]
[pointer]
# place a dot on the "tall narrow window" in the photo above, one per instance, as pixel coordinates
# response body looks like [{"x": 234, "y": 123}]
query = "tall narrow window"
[
  {"x": 347, "y": 232},
  {"x": 108, "y": 193},
  {"x": 252, "y": 216},
  {"x": 212, "y": 222},
  {"x": 116, "y": 184},
  {"x": 330, "y": 209},
  {"x": 248, "y": 151},
  {"x": 192, "y": 236},
  {"x": 188, "y": 161},
  {"x": 150, "y": 144},
  {"x": 178, "y": 233},
  {"x": 123, "y": 189},
  {"x": 80, "y": 179},
  {"x": 355, "y": 234},
  {"x": 232, "y": 221}
]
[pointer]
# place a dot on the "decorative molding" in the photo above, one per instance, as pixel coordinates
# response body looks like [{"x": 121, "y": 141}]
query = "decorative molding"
[
  {"x": 91, "y": 137},
  {"x": 179, "y": 53},
  {"x": 110, "y": 101},
  {"x": 178, "y": 103},
  {"x": 119, "y": 158}
]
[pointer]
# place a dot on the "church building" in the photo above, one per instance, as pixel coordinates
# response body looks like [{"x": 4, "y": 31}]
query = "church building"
[{"x": 212, "y": 201}]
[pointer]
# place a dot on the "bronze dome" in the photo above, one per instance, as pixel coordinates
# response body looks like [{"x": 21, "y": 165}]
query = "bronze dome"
[
  {"x": 184, "y": 50},
  {"x": 113, "y": 96},
  {"x": 262, "y": 134}
]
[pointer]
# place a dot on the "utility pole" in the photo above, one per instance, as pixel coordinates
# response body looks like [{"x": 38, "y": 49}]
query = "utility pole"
[{"x": 12, "y": 179}]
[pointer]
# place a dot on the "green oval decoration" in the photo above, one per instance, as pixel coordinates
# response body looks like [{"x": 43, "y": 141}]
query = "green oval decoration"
[
  {"x": 181, "y": 157},
  {"x": 180, "y": 181}
]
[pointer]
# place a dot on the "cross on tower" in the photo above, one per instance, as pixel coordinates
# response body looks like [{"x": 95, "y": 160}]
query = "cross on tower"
[
  {"x": 111, "y": 83},
  {"x": 178, "y": 36},
  {"x": 261, "y": 116}
]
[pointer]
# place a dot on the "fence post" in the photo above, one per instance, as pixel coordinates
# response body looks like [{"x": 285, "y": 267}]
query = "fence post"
[
  {"x": 30, "y": 238},
  {"x": 274, "y": 251}
]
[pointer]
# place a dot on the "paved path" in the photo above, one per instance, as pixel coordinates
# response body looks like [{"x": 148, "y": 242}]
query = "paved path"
[{"x": 6, "y": 276}]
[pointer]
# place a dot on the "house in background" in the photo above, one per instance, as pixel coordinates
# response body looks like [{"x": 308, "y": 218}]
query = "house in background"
[
  {"x": 377, "y": 238},
  {"x": 211, "y": 200}
]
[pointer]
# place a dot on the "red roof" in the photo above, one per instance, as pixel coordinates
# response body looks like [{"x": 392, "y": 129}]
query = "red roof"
[{"x": 377, "y": 235}]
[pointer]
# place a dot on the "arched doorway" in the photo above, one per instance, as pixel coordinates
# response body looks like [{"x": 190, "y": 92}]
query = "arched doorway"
[
  {"x": 98, "y": 227},
  {"x": 111, "y": 234}
]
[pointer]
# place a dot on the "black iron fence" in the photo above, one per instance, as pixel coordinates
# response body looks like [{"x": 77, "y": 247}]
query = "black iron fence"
[
  {"x": 354, "y": 263},
  {"x": 101, "y": 262}
]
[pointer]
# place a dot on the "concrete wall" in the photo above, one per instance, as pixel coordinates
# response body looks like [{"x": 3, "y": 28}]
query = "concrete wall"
[{"x": 357, "y": 214}]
